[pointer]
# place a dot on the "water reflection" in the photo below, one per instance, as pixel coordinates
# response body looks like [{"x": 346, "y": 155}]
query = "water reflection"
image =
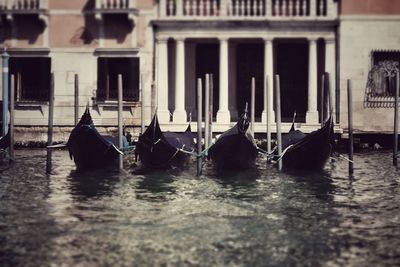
[
  {"x": 256, "y": 217},
  {"x": 93, "y": 184}
]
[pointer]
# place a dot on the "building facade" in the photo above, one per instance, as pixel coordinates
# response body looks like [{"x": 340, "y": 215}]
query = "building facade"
[{"x": 161, "y": 47}]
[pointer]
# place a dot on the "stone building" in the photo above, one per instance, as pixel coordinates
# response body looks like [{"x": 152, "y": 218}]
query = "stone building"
[{"x": 163, "y": 46}]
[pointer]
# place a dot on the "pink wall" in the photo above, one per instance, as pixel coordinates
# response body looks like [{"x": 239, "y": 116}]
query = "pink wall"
[{"x": 378, "y": 7}]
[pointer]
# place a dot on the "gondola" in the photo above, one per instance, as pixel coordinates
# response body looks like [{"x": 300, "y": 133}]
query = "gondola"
[
  {"x": 163, "y": 150},
  {"x": 88, "y": 148},
  {"x": 236, "y": 148},
  {"x": 5, "y": 141},
  {"x": 307, "y": 152}
]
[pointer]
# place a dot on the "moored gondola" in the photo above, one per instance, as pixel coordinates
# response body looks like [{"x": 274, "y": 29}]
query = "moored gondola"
[
  {"x": 236, "y": 148},
  {"x": 163, "y": 150},
  {"x": 88, "y": 148},
  {"x": 5, "y": 141},
  {"x": 307, "y": 152}
]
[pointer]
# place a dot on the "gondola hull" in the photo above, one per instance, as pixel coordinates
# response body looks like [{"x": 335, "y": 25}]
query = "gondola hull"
[
  {"x": 312, "y": 151},
  {"x": 233, "y": 152},
  {"x": 158, "y": 150},
  {"x": 89, "y": 149}
]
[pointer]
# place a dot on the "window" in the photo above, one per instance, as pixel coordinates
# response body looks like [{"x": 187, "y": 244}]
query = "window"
[
  {"x": 107, "y": 72},
  {"x": 32, "y": 76},
  {"x": 382, "y": 76}
]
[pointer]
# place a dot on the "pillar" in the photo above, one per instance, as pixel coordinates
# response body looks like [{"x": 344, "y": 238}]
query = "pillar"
[
  {"x": 330, "y": 67},
  {"x": 269, "y": 73},
  {"x": 312, "y": 113},
  {"x": 223, "y": 115},
  {"x": 162, "y": 80},
  {"x": 179, "y": 115}
]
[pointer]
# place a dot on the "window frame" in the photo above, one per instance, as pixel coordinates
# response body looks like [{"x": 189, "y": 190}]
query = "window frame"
[
  {"x": 116, "y": 53},
  {"x": 371, "y": 98}
]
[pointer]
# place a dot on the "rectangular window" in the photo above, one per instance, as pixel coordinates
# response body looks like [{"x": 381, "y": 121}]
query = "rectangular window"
[
  {"x": 108, "y": 69},
  {"x": 32, "y": 76},
  {"x": 382, "y": 76}
]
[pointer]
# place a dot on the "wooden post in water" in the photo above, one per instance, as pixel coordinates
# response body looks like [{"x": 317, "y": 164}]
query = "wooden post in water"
[
  {"x": 142, "y": 127},
  {"x": 12, "y": 99},
  {"x": 120, "y": 132},
  {"x": 269, "y": 109},
  {"x": 76, "y": 98},
  {"x": 50, "y": 125},
  {"x": 199, "y": 132},
  {"x": 322, "y": 100},
  {"x": 207, "y": 112},
  {"x": 278, "y": 118},
  {"x": 5, "y": 57},
  {"x": 396, "y": 121},
  {"x": 350, "y": 125},
  {"x": 211, "y": 109},
  {"x": 253, "y": 103},
  {"x": 154, "y": 100}
]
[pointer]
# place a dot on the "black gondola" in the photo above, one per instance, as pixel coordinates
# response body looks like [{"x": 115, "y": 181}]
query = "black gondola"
[
  {"x": 88, "y": 148},
  {"x": 5, "y": 141},
  {"x": 236, "y": 148},
  {"x": 158, "y": 150},
  {"x": 307, "y": 152}
]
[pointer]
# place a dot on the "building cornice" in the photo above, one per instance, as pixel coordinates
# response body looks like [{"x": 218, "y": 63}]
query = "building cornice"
[{"x": 372, "y": 17}]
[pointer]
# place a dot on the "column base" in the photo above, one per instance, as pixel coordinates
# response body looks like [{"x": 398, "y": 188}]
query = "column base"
[
  {"x": 163, "y": 116},
  {"x": 312, "y": 117},
  {"x": 179, "y": 116},
  {"x": 264, "y": 117},
  {"x": 223, "y": 116}
]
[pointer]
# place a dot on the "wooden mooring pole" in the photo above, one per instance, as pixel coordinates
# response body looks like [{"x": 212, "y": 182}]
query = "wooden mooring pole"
[
  {"x": 269, "y": 109},
  {"x": 76, "y": 98},
  {"x": 199, "y": 119},
  {"x": 5, "y": 58},
  {"x": 207, "y": 112},
  {"x": 211, "y": 109},
  {"x": 350, "y": 125},
  {"x": 253, "y": 103},
  {"x": 396, "y": 122},
  {"x": 50, "y": 125},
  {"x": 322, "y": 100},
  {"x": 12, "y": 116},
  {"x": 142, "y": 115},
  {"x": 278, "y": 119},
  {"x": 120, "y": 131}
]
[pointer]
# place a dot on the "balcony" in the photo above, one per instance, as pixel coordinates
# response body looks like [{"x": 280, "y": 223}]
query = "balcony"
[
  {"x": 24, "y": 7},
  {"x": 248, "y": 9},
  {"x": 103, "y": 7}
]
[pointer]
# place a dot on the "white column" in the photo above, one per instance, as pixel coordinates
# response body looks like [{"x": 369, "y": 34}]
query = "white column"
[
  {"x": 312, "y": 113},
  {"x": 180, "y": 113},
  {"x": 269, "y": 71},
  {"x": 330, "y": 67},
  {"x": 162, "y": 80},
  {"x": 223, "y": 115}
]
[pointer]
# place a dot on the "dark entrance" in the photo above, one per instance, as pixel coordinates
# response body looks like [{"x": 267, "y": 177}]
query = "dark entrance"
[
  {"x": 292, "y": 66},
  {"x": 207, "y": 61},
  {"x": 250, "y": 63}
]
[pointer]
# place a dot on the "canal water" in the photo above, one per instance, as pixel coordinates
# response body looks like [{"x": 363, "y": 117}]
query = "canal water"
[{"x": 253, "y": 218}]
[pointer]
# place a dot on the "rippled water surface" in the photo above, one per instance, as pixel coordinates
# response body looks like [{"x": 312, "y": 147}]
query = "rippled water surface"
[{"x": 254, "y": 218}]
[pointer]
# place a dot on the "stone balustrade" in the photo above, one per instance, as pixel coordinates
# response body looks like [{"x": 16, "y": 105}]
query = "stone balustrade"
[
  {"x": 23, "y": 5},
  {"x": 249, "y": 9},
  {"x": 115, "y": 4}
]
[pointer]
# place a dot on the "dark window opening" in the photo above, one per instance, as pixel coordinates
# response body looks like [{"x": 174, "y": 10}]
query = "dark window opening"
[
  {"x": 32, "y": 76},
  {"x": 108, "y": 70},
  {"x": 382, "y": 76}
]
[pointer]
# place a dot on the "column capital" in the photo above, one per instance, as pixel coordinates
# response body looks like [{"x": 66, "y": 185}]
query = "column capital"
[
  {"x": 329, "y": 40},
  {"x": 179, "y": 38},
  {"x": 162, "y": 39},
  {"x": 223, "y": 39},
  {"x": 268, "y": 39},
  {"x": 312, "y": 39}
]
